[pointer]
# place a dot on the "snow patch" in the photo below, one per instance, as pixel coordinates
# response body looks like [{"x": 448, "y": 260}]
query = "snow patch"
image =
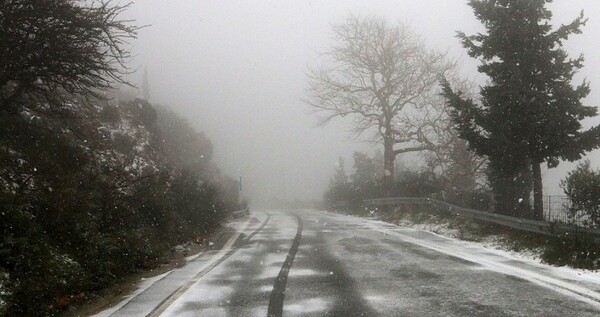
[
  {"x": 266, "y": 288},
  {"x": 307, "y": 306},
  {"x": 201, "y": 295},
  {"x": 270, "y": 272},
  {"x": 307, "y": 272},
  {"x": 193, "y": 257},
  {"x": 489, "y": 258},
  {"x": 144, "y": 284}
]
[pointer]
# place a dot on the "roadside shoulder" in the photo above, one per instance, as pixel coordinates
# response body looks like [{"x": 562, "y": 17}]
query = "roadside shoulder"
[{"x": 129, "y": 287}]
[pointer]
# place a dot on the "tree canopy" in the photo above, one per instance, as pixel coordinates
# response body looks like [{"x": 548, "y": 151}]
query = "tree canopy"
[
  {"x": 529, "y": 112},
  {"x": 77, "y": 47},
  {"x": 385, "y": 79},
  {"x": 92, "y": 188}
]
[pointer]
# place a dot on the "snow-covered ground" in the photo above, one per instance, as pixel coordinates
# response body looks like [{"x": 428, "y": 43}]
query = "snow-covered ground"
[
  {"x": 491, "y": 252},
  {"x": 493, "y": 242}
]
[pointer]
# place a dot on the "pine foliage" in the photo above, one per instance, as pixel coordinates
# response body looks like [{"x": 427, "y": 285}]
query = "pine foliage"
[{"x": 529, "y": 112}]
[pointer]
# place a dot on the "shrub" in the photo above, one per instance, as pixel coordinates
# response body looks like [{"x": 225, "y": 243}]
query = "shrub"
[
  {"x": 582, "y": 187},
  {"x": 573, "y": 250}
]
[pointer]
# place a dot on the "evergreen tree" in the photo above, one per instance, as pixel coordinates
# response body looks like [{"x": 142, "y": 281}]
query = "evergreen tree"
[
  {"x": 529, "y": 112},
  {"x": 340, "y": 178},
  {"x": 339, "y": 187},
  {"x": 364, "y": 179}
]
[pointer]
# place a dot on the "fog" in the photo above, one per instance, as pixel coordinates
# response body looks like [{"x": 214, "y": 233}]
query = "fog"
[{"x": 237, "y": 71}]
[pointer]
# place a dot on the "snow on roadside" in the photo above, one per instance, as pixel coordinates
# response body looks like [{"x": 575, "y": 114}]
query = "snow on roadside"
[
  {"x": 570, "y": 284},
  {"x": 489, "y": 241},
  {"x": 496, "y": 244},
  {"x": 193, "y": 257},
  {"x": 437, "y": 228},
  {"x": 144, "y": 284}
]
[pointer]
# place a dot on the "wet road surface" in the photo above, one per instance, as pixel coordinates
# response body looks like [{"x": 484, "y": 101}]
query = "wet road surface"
[{"x": 314, "y": 263}]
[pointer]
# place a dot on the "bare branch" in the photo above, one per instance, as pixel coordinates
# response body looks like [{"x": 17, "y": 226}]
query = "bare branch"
[{"x": 73, "y": 47}]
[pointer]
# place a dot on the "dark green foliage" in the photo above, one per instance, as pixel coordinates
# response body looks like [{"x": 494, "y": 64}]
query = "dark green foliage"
[
  {"x": 37, "y": 271},
  {"x": 511, "y": 193},
  {"x": 197, "y": 202},
  {"x": 573, "y": 250},
  {"x": 428, "y": 184},
  {"x": 417, "y": 184},
  {"x": 582, "y": 187},
  {"x": 185, "y": 147},
  {"x": 528, "y": 113},
  {"x": 89, "y": 197},
  {"x": 340, "y": 188},
  {"x": 349, "y": 192},
  {"x": 364, "y": 179},
  {"x": 364, "y": 183},
  {"x": 89, "y": 192}
]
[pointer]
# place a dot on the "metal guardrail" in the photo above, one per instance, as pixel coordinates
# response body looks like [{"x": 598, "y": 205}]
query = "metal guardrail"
[
  {"x": 536, "y": 226},
  {"x": 341, "y": 204}
]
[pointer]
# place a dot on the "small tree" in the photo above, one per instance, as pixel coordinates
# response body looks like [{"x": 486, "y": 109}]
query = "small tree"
[
  {"x": 582, "y": 187},
  {"x": 364, "y": 179},
  {"x": 384, "y": 78},
  {"x": 339, "y": 186}
]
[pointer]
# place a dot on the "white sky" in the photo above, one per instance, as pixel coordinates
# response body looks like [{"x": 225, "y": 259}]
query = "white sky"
[{"x": 236, "y": 70}]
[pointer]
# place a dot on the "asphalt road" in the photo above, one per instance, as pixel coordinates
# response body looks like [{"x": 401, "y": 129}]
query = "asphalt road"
[{"x": 314, "y": 263}]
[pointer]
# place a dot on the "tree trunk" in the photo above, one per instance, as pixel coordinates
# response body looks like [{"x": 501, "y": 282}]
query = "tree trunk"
[
  {"x": 538, "y": 197},
  {"x": 388, "y": 168},
  {"x": 512, "y": 191}
]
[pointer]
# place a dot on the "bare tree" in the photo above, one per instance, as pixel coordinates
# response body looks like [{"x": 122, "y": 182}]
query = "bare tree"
[
  {"x": 385, "y": 78},
  {"x": 463, "y": 169}
]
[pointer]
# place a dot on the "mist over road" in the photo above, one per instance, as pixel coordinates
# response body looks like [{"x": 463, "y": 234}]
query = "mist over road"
[{"x": 314, "y": 263}]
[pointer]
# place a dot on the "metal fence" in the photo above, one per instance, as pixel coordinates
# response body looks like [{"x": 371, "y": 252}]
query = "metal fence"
[{"x": 556, "y": 209}]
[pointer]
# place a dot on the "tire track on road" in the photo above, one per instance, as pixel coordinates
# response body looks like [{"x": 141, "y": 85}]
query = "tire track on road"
[
  {"x": 262, "y": 226},
  {"x": 278, "y": 293},
  {"x": 181, "y": 290}
]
